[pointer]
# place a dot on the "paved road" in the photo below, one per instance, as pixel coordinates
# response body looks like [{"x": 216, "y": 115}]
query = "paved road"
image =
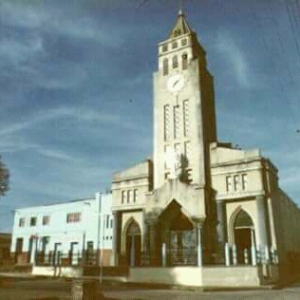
[
  {"x": 28, "y": 289},
  {"x": 24, "y": 289}
]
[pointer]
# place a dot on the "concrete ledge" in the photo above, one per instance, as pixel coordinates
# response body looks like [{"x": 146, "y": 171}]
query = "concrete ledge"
[
  {"x": 191, "y": 276},
  {"x": 52, "y": 271},
  {"x": 245, "y": 276},
  {"x": 214, "y": 277}
]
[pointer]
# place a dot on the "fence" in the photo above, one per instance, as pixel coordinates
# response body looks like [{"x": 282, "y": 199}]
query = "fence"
[{"x": 66, "y": 259}]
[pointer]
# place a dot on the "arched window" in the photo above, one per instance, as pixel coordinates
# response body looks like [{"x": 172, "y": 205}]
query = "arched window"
[
  {"x": 184, "y": 61},
  {"x": 177, "y": 32},
  {"x": 243, "y": 220},
  {"x": 175, "y": 62},
  {"x": 165, "y": 66}
]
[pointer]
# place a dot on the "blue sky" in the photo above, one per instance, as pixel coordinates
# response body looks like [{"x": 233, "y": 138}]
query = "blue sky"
[{"x": 76, "y": 88}]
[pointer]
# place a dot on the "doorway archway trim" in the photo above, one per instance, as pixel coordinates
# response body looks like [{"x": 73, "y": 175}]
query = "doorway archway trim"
[{"x": 232, "y": 221}]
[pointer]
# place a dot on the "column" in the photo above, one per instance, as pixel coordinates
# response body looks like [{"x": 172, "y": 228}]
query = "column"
[
  {"x": 227, "y": 255},
  {"x": 146, "y": 250},
  {"x": 154, "y": 255},
  {"x": 199, "y": 246},
  {"x": 132, "y": 251},
  {"x": 221, "y": 230},
  {"x": 33, "y": 253},
  {"x": 253, "y": 248},
  {"x": 273, "y": 240},
  {"x": 164, "y": 255},
  {"x": 221, "y": 222},
  {"x": 262, "y": 228},
  {"x": 115, "y": 237}
]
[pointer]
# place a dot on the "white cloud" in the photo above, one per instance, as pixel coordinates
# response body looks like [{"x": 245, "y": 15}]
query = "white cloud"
[
  {"x": 11, "y": 144},
  {"x": 18, "y": 52},
  {"x": 54, "y": 154},
  {"x": 79, "y": 113},
  {"x": 33, "y": 120},
  {"x": 36, "y": 16},
  {"x": 235, "y": 56},
  {"x": 21, "y": 136},
  {"x": 78, "y": 179}
]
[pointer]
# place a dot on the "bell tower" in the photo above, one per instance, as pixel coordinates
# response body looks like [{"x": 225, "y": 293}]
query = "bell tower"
[{"x": 184, "y": 109}]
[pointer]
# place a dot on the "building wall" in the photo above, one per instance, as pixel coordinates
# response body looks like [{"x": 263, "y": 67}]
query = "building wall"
[
  {"x": 287, "y": 224},
  {"x": 130, "y": 186},
  {"x": 95, "y": 221},
  {"x": 227, "y": 165},
  {"x": 281, "y": 214}
]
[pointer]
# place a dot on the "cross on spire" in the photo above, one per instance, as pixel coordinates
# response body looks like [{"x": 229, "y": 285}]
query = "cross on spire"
[{"x": 181, "y": 4}]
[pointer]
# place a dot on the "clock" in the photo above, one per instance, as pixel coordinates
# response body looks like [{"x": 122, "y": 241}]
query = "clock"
[{"x": 175, "y": 83}]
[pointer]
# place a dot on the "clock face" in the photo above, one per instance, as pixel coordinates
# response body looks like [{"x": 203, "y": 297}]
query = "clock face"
[{"x": 175, "y": 83}]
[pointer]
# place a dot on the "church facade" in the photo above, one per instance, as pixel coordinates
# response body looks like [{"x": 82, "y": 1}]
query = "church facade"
[{"x": 198, "y": 202}]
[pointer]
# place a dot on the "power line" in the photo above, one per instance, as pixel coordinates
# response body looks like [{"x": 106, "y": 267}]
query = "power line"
[{"x": 293, "y": 23}]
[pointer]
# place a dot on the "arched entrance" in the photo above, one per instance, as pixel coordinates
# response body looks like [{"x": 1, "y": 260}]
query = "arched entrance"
[
  {"x": 133, "y": 244},
  {"x": 182, "y": 242},
  {"x": 179, "y": 236},
  {"x": 243, "y": 236}
]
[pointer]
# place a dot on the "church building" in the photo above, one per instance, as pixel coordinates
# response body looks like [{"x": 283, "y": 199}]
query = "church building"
[{"x": 198, "y": 202}]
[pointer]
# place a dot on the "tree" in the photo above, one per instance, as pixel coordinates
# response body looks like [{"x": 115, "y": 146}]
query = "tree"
[{"x": 4, "y": 178}]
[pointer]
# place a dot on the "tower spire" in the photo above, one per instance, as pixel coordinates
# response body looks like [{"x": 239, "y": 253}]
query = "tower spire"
[{"x": 181, "y": 26}]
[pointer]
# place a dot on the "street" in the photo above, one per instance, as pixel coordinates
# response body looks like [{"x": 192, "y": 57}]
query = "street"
[{"x": 50, "y": 289}]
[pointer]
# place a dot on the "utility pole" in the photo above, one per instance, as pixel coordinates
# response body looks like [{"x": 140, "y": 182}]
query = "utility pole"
[{"x": 99, "y": 199}]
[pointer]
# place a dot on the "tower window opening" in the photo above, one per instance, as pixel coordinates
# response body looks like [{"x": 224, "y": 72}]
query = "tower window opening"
[
  {"x": 165, "y": 48},
  {"x": 175, "y": 62},
  {"x": 184, "y": 61},
  {"x": 166, "y": 122},
  {"x": 176, "y": 122},
  {"x": 177, "y": 32},
  {"x": 174, "y": 45},
  {"x": 165, "y": 66},
  {"x": 187, "y": 151},
  {"x": 177, "y": 149},
  {"x": 186, "y": 117},
  {"x": 184, "y": 42}
]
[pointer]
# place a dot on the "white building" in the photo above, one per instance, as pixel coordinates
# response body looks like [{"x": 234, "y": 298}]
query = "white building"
[{"x": 70, "y": 233}]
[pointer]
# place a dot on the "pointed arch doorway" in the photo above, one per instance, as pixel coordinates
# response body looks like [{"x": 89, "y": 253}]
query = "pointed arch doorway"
[
  {"x": 244, "y": 236},
  {"x": 133, "y": 244},
  {"x": 179, "y": 236},
  {"x": 182, "y": 241}
]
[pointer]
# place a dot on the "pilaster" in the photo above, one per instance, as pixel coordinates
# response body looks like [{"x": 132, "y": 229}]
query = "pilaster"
[{"x": 262, "y": 224}]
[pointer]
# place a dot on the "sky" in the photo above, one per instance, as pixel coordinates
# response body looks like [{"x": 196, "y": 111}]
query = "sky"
[{"x": 76, "y": 88}]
